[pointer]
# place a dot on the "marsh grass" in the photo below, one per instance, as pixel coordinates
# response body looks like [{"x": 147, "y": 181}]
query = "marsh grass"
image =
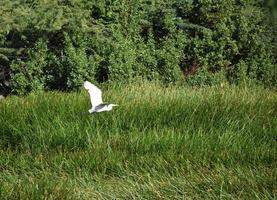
[{"x": 160, "y": 143}]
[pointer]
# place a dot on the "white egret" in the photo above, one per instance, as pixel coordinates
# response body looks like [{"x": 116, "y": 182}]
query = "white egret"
[{"x": 96, "y": 99}]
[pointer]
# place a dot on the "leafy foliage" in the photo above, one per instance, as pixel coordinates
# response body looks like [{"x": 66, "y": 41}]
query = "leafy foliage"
[
  {"x": 28, "y": 76},
  {"x": 210, "y": 42}
]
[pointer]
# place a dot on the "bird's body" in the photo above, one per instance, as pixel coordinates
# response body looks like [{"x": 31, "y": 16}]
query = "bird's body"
[
  {"x": 96, "y": 99},
  {"x": 101, "y": 107}
]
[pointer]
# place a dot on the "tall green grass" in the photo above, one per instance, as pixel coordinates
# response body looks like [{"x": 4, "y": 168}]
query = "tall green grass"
[{"x": 160, "y": 143}]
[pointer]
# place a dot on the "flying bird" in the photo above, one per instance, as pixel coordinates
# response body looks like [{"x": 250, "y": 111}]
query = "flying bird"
[{"x": 96, "y": 99}]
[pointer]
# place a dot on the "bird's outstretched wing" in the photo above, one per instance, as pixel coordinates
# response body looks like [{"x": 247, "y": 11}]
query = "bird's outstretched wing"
[{"x": 94, "y": 93}]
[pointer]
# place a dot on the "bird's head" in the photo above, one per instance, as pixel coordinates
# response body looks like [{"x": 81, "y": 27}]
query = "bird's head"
[{"x": 110, "y": 106}]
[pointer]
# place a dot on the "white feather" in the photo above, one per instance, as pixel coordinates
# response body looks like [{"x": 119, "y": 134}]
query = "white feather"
[
  {"x": 94, "y": 93},
  {"x": 96, "y": 99}
]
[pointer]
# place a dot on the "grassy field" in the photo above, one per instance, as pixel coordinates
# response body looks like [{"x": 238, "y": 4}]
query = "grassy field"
[{"x": 160, "y": 143}]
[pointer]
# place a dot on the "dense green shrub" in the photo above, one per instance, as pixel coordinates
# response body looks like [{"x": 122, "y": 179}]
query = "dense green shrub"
[
  {"x": 59, "y": 44},
  {"x": 78, "y": 66},
  {"x": 228, "y": 34},
  {"x": 28, "y": 76}
]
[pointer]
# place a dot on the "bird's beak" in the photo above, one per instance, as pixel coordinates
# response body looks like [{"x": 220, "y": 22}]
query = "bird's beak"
[{"x": 115, "y": 105}]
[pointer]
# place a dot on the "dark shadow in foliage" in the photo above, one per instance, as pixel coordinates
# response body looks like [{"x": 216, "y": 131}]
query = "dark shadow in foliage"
[
  {"x": 17, "y": 39},
  {"x": 56, "y": 41},
  {"x": 189, "y": 67},
  {"x": 102, "y": 73},
  {"x": 55, "y": 69},
  {"x": 25, "y": 39},
  {"x": 5, "y": 86},
  {"x": 96, "y": 12},
  {"x": 145, "y": 29},
  {"x": 159, "y": 28}
]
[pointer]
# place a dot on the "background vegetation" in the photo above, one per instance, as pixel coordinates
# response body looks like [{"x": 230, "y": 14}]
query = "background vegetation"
[
  {"x": 56, "y": 44},
  {"x": 212, "y": 142},
  {"x": 160, "y": 143}
]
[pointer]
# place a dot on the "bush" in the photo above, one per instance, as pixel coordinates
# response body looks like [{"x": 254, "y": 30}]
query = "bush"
[
  {"x": 28, "y": 76},
  {"x": 78, "y": 65},
  {"x": 57, "y": 45}
]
